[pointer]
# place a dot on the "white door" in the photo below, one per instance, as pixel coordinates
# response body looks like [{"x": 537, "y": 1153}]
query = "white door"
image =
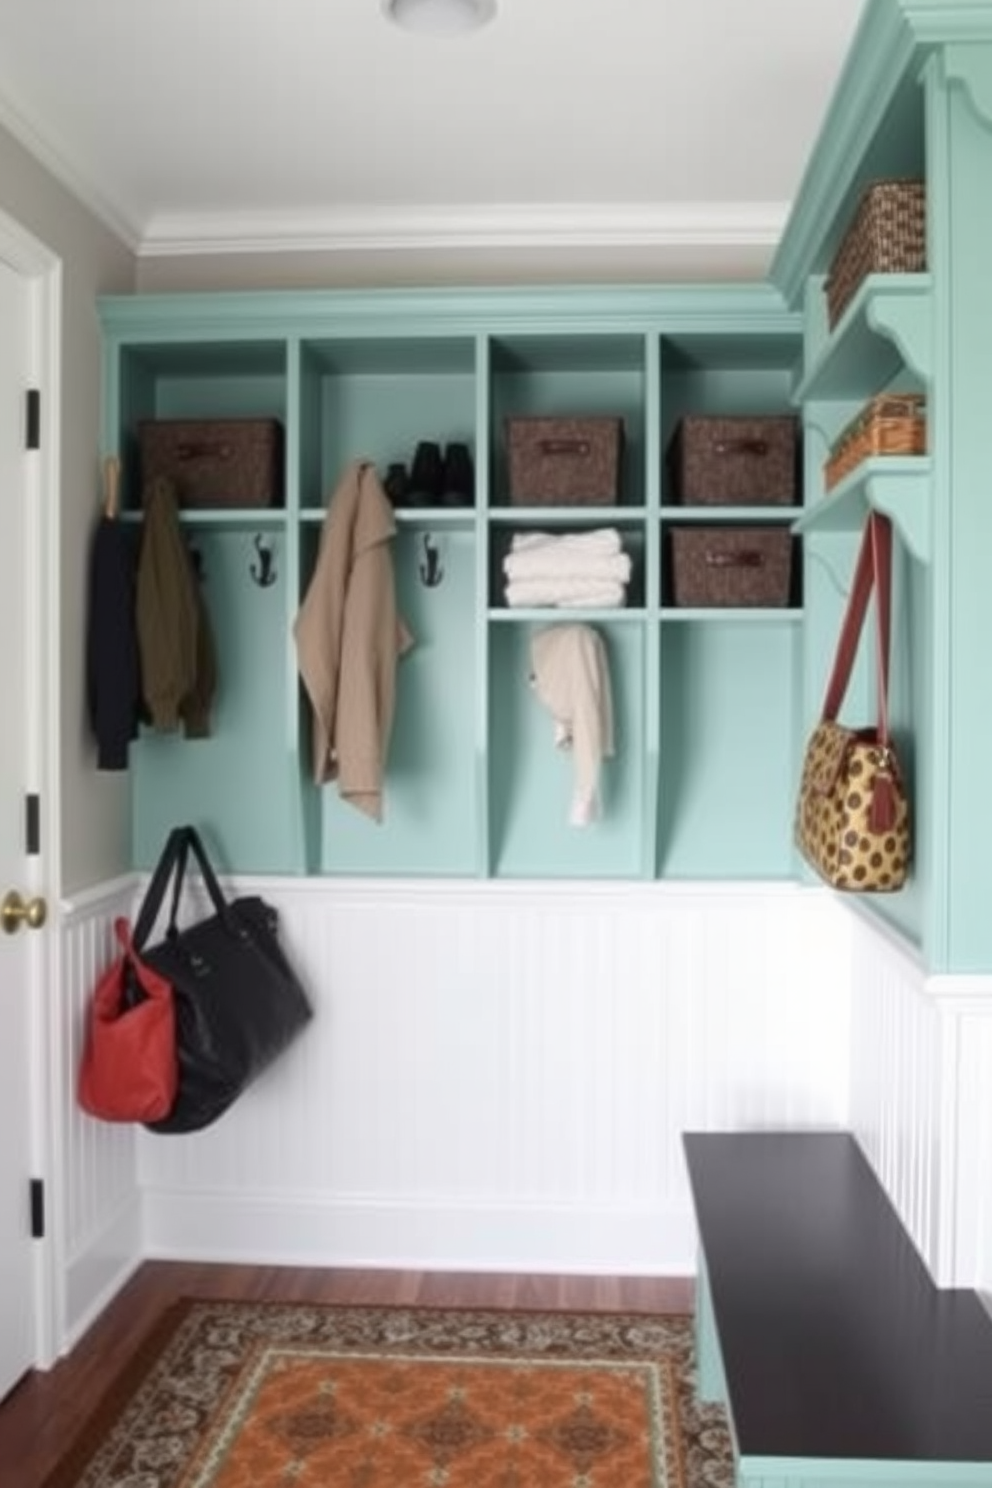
[{"x": 20, "y": 963}]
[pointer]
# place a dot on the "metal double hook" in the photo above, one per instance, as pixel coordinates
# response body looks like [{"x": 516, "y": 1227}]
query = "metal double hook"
[
  {"x": 431, "y": 572},
  {"x": 263, "y": 572}
]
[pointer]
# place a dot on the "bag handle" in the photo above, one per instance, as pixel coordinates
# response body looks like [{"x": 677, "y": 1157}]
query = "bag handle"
[
  {"x": 191, "y": 841},
  {"x": 874, "y": 570},
  {"x": 172, "y": 865}
]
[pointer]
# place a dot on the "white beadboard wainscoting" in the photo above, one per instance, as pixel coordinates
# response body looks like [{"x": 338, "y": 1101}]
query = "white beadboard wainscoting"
[
  {"x": 498, "y": 1075},
  {"x": 94, "y": 1200},
  {"x": 921, "y": 1099}
]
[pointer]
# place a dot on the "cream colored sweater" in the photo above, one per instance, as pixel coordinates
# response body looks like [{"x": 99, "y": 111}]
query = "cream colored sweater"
[{"x": 571, "y": 677}]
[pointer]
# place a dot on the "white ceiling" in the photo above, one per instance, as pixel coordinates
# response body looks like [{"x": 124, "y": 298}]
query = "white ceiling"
[{"x": 195, "y": 125}]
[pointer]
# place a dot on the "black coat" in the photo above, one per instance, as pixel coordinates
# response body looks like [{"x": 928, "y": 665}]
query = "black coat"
[{"x": 113, "y": 680}]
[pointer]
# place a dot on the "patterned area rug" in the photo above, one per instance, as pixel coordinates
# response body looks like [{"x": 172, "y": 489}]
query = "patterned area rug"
[{"x": 273, "y": 1395}]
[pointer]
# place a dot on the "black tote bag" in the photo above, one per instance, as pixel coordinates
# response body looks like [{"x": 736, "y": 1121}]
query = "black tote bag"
[{"x": 238, "y": 1002}]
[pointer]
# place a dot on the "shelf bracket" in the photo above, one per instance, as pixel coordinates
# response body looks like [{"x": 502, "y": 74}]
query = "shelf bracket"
[
  {"x": 907, "y": 320},
  {"x": 971, "y": 66},
  {"x": 890, "y": 486},
  {"x": 907, "y": 503},
  {"x": 812, "y": 423}
]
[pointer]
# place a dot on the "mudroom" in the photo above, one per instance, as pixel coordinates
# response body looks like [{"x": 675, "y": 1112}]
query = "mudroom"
[{"x": 649, "y": 506}]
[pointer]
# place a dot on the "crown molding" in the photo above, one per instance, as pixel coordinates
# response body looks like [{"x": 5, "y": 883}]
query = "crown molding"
[
  {"x": 443, "y": 228},
  {"x": 409, "y": 228},
  {"x": 406, "y": 228},
  {"x": 76, "y": 182}
]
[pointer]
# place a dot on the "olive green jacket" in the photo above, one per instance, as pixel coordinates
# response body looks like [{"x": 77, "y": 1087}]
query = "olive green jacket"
[{"x": 175, "y": 641}]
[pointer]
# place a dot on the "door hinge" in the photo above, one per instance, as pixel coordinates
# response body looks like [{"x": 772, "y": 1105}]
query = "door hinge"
[
  {"x": 37, "y": 1209},
  {"x": 32, "y": 824},
  {"x": 32, "y": 425}
]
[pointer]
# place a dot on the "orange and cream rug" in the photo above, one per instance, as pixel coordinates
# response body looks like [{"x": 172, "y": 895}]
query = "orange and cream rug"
[{"x": 273, "y": 1395}]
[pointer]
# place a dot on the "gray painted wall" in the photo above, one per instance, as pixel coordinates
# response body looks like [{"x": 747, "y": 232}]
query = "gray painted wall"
[{"x": 94, "y": 261}]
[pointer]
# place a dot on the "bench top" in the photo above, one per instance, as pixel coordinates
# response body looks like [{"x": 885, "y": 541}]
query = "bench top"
[{"x": 835, "y": 1343}]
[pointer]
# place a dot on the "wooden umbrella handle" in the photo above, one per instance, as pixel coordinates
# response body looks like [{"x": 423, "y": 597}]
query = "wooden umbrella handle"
[{"x": 111, "y": 486}]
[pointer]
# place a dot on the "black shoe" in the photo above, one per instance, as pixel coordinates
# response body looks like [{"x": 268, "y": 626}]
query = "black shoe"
[
  {"x": 425, "y": 475},
  {"x": 397, "y": 485},
  {"x": 458, "y": 483}
]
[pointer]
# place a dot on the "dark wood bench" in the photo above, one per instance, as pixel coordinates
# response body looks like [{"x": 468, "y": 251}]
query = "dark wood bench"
[{"x": 820, "y": 1329}]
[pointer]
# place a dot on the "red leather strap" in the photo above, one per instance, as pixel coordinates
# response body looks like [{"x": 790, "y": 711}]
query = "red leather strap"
[{"x": 874, "y": 570}]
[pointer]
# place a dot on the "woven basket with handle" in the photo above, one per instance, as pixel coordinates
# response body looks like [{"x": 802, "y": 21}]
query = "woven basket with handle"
[
  {"x": 887, "y": 236},
  {"x": 891, "y": 424}
]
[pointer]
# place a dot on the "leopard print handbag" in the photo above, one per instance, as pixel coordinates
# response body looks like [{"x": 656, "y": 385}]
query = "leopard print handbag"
[{"x": 852, "y": 818}]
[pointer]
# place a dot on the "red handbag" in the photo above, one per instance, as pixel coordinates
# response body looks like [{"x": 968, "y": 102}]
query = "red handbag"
[{"x": 129, "y": 1070}]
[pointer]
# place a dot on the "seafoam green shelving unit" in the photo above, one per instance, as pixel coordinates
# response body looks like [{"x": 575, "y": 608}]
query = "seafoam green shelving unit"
[
  {"x": 914, "y": 101},
  {"x": 706, "y": 701}
]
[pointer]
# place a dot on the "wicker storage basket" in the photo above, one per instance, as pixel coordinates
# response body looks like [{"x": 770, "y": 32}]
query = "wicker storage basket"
[
  {"x": 887, "y": 236},
  {"x": 214, "y": 462},
  {"x": 714, "y": 461},
  {"x": 564, "y": 461},
  {"x": 730, "y": 566},
  {"x": 892, "y": 424}
]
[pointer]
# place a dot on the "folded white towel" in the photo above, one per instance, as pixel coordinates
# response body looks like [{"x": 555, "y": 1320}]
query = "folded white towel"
[
  {"x": 603, "y": 540},
  {"x": 556, "y": 563},
  {"x": 565, "y": 593}
]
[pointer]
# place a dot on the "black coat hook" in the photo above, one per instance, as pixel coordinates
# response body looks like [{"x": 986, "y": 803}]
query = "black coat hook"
[
  {"x": 196, "y": 563},
  {"x": 431, "y": 572},
  {"x": 263, "y": 572}
]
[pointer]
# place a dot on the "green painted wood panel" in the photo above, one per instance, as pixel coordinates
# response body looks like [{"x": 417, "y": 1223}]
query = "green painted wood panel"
[
  {"x": 962, "y": 124},
  {"x": 726, "y": 763},
  {"x": 711, "y": 1383},
  {"x": 796, "y": 1473}
]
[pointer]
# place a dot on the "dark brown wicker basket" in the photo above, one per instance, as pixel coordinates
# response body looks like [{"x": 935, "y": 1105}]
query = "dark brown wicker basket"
[
  {"x": 214, "y": 462},
  {"x": 731, "y": 566},
  {"x": 891, "y": 424},
  {"x": 888, "y": 235},
  {"x": 564, "y": 461},
  {"x": 726, "y": 461}
]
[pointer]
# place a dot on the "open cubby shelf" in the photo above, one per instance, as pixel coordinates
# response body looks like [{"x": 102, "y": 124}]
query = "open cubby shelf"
[{"x": 476, "y": 784}]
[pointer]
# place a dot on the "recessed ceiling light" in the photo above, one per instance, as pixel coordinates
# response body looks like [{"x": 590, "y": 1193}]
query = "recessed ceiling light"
[{"x": 440, "y": 17}]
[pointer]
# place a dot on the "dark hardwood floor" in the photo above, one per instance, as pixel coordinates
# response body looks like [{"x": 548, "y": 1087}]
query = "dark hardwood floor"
[{"x": 43, "y": 1415}]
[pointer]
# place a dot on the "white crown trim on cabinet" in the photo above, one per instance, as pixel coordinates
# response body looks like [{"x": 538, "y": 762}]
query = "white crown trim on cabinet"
[{"x": 441, "y": 227}]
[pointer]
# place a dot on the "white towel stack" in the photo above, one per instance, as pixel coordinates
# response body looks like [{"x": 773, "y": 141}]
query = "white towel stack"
[{"x": 575, "y": 570}]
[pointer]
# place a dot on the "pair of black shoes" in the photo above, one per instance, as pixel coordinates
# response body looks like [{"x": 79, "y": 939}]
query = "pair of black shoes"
[{"x": 434, "y": 479}]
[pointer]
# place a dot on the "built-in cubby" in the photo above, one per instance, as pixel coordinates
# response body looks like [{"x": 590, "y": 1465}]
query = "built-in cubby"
[
  {"x": 431, "y": 812},
  {"x": 570, "y": 376},
  {"x": 180, "y": 377},
  {"x": 241, "y": 784},
  {"x": 533, "y": 779},
  {"x": 378, "y": 397},
  {"x": 727, "y": 745},
  {"x": 477, "y": 782},
  {"x": 631, "y": 536}
]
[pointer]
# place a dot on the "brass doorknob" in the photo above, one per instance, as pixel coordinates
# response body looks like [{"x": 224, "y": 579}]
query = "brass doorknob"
[{"x": 15, "y": 912}]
